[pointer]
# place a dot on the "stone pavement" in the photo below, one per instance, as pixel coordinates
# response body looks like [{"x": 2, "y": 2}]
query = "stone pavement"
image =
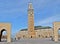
[{"x": 32, "y": 41}]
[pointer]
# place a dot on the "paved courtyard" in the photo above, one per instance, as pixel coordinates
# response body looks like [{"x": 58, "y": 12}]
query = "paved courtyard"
[{"x": 32, "y": 41}]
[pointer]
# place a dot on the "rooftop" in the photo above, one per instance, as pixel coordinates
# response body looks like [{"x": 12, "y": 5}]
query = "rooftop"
[{"x": 38, "y": 27}]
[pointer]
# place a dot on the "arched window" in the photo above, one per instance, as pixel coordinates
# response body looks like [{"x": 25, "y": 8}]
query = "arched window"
[
  {"x": 39, "y": 35},
  {"x": 45, "y": 36},
  {"x": 31, "y": 36},
  {"x": 18, "y": 38},
  {"x": 23, "y": 36}
]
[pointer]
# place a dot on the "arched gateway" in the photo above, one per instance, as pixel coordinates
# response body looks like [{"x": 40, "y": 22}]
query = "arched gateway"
[
  {"x": 56, "y": 28},
  {"x": 5, "y": 27}
]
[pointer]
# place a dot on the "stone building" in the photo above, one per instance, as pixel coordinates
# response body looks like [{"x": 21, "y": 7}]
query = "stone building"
[{"x": 41, "y": 32}]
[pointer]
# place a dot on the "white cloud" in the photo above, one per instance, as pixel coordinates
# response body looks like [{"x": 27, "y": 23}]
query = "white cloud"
[{"x": 49, "y": 21}]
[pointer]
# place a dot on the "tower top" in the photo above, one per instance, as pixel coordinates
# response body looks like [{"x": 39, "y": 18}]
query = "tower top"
[{"x": 30, "y": 5}]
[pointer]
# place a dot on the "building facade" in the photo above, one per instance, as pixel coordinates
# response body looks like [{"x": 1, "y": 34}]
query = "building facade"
[{"x": 44, "y": 32}]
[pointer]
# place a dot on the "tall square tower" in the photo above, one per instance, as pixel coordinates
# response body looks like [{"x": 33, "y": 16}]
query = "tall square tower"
[{"x": 31, "y": 31}]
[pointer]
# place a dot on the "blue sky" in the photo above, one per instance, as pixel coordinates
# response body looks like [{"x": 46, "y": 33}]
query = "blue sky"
[{"x": 15, "y": 12}]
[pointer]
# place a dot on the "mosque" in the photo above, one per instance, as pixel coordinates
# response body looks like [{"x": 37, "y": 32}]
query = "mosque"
[
  {"x": 34, "y": 31},
  {"x": 38, "y": 31}
]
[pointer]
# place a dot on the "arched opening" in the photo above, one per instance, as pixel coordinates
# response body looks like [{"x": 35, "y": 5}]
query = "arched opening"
[
  {"x": 23, "y": 36},
  {"x": 56, "y": 31},
  {"x": 46, "y": 37},
  {"x": 59, "y": 34},
  {"x": 3, "y": 36},
  {"x": 39, "y": 35},
  {"x": 31, "y": 36},
  {"x": 18, "y": 38}
]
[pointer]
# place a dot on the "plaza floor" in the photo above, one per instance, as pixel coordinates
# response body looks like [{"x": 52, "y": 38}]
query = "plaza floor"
[{"x": 32, "y": 41}]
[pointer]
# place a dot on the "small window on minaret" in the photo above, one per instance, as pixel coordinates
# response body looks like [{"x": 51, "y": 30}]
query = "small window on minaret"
[{"x": 31, "y": 14}]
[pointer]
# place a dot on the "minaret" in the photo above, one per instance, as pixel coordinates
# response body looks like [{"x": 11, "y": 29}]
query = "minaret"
[{"x": 31, "y": 31}]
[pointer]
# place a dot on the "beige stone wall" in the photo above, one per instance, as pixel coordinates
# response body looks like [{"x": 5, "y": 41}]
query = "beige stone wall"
[
  {"x": 22, "y": 34},
  {"x": 56, "y": 26},
  {"x": 40, "y": 33},
  {"x": 6, "y": 27},
  {"x": 43, "y": 33}
]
